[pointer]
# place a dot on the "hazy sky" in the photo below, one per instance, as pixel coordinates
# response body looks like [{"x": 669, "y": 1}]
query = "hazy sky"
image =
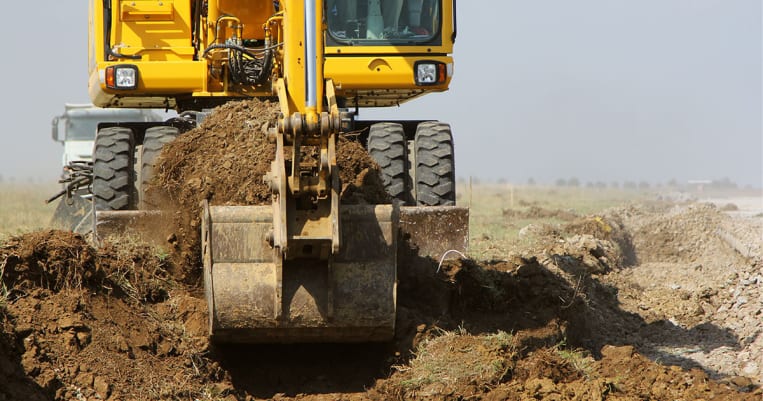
[{"x": 601, "y": 90}]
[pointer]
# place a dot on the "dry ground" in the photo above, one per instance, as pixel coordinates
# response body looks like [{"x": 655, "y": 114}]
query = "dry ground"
[
  {"x": 646, "y": 300},
  {"x": 567, "y": 294}
]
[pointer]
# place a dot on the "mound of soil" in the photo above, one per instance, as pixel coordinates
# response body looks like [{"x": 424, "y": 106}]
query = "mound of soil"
[
  {"x": 698, "y": 273},
  {"x": 85, "y": 323},
  {"x": 224, "y": 161},
  {"x": 121, "y": 328}
]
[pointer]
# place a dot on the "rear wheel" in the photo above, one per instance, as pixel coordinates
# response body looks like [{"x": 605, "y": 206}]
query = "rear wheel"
[
  {"x": 153, "y": 143},
  {"x": 387, "y": 146},
  {"x": 113, "y": 171},
  {"x": 434, "y": 168}
]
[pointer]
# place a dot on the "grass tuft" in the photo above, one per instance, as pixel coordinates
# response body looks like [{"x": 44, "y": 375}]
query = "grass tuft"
[{"x": 456, "y": 359}]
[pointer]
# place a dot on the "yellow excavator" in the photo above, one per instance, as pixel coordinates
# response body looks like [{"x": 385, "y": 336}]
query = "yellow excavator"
[{"x": 305, "y": 268}]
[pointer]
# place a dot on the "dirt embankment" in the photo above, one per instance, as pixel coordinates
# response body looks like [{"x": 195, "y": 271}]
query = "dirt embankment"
[{"x": 587, "y": 313}]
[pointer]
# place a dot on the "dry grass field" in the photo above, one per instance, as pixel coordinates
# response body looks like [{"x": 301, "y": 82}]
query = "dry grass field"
[
  {"x": 498, "y": 212},
  {"x": 23, "y": 207},
  {"x": 491, "y": 233}
]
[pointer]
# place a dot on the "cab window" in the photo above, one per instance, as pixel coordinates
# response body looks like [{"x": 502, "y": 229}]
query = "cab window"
[{"x": 382, "y": 22}]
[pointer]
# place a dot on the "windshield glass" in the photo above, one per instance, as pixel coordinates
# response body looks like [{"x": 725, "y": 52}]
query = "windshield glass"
[
  {"x": 81, "y": 128},
  {"x": 381, "y": 22}
]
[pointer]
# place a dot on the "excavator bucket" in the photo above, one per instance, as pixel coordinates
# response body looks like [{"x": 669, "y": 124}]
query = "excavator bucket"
[{"x": 254, "y": 295}]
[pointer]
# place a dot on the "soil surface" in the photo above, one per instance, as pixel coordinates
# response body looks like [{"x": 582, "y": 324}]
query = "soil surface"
[
  {"x": 656, "y": 301},
  {"x": 641, "y": 302}
]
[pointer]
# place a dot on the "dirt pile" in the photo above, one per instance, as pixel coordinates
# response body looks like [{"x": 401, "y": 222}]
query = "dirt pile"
[
  {"x": 85, "y": 323},
  {"x": 226, "y": 157},
  {"x": 597, "y": 243},
  {"x": 691, "y": 279},
  {"x": 121, "y": 328},
  {"x": 224, "y": 161}
]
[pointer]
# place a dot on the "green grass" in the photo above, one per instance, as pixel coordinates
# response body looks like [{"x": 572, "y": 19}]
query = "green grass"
[
  {"x": 578, "y": 359},
  {"x": 493, "y": 236},
  {"x": 23, "y": 207},
  {"x": 457, "y": 357}
]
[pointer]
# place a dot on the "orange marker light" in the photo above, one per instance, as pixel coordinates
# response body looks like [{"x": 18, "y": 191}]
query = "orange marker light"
[{"x": 110, "y": 77}]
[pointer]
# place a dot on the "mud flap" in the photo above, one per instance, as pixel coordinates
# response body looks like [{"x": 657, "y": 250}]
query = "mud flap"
[
  {"x": 73, "y": 214},
  {"x": 255, "y": 296}
]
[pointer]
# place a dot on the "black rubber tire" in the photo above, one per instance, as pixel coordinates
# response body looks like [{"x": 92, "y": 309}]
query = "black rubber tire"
[
  {"x": 113, "y": 169},
  {"x": 434, "y": 176},
  {"x": 387, "y": 146},
  {"x": 153, "y": 143}
]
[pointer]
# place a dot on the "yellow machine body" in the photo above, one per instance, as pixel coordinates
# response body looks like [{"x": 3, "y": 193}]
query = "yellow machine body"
[
  {"x": 173, "y": 72},
  {"x": 304, "y": 268}
]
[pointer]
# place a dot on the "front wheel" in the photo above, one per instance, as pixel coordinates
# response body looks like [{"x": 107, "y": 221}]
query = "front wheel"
[
  {"x": 113, "y": 171},
  {"x": 153, "y": 143},
  {"x": 434, "y": 167},
  {"x": 387, "y": 146}
]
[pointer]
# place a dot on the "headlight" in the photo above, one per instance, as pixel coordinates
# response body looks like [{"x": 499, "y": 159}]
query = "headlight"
[
  {"x": 122, "y": 76},
  {"x": 429, "y": 73}
]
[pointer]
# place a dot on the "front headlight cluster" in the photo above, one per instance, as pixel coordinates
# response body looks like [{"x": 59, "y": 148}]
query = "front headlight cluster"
[
  {"x": 430, "y": 73},
  {"x": 124, "y": 76}
]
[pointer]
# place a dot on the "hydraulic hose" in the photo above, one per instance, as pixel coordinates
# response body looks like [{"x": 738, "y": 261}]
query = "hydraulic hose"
[{"x": 107, "y": 50}]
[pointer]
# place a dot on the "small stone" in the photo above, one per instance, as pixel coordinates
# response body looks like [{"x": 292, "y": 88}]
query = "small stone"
[
  {"x": 223, "y": 389},
  {"x": 84, "y": 380},
  {"x": 102, "y": 387},
  {"x": 84, "y": 338},
  {"x": 72, "y": 371},
  {"x": 164, "y": 348},
  {"x": 741, "y": 381},
  {"x": 71, "y": 322},
  {"x": 750, "y": 368},
  {"x": 618, "y": 353},
  {"x": 542, "y": 386},
  {"x": 70, "y": 338},
  {"x": 29, "y": 362}
]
